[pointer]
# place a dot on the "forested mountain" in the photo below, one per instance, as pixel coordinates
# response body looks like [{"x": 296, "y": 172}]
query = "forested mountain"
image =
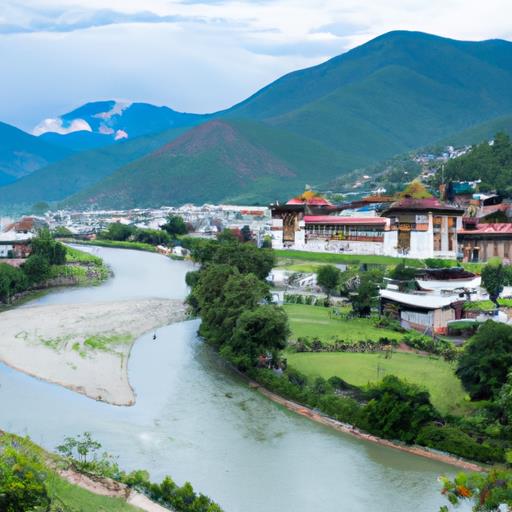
[
  {"x": 400, "y": 91},
  {"x": 492, "y": 163},
  {"x": 21, "y": 153},
  {"x": 79, "y": 171},
  {"x": 235, "y": 160}
]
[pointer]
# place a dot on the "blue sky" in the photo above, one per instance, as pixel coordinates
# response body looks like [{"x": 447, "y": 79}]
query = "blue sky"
[{"x": 192, "y": 55}]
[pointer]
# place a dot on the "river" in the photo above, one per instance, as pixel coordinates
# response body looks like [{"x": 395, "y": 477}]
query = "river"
[{"x": 196, "y": 421}]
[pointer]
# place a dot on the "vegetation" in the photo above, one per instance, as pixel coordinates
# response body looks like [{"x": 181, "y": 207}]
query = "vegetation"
[
  {"x": 175, "y": 226},
  {"x": 328, "y": 277},
  {"x": 29, "y": 480},
  {"x": 493, "y": 277},
  {"x": 490, "y": 163},
  {"x": 321, "y": 323},
  {"x": 484, "y": 365},
  {"x": 360, "y": 369},
  {"x": 487, "y": 492}
]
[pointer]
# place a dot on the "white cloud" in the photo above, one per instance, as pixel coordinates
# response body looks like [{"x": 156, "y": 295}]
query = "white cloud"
[{"x": 57, "y": 126}]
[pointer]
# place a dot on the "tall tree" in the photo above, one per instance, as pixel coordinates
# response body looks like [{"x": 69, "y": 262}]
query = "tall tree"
[
  {"x": 175, "y": 225},
  {"x": 484, "y": 365},
  {"x": 493, "y": 278},
  {"x": 328, "y": 277}
]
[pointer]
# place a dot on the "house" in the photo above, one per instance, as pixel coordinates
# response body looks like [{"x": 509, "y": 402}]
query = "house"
[
  {"x": 15, "y": 239},
  {"x": 422, "y": 311}
]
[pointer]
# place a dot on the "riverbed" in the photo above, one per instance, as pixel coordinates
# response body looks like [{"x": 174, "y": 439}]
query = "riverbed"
[{"x": 195, "y": 420}]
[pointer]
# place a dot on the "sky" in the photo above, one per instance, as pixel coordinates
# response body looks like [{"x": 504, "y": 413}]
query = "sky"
[{"x": 193, "y": 55}]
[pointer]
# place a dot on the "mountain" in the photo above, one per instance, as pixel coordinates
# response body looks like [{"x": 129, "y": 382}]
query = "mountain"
[
  {"x": 78, "y": 141},
  {"x": 397, "y": 92},
  {"x": 235, "y": 160},
  {"x": 21, "y": 153},
  {"x": 103, "y": 122},
  {"x": 79, "y": 171}
]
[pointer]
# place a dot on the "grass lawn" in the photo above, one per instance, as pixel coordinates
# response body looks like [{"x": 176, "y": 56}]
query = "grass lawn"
[
  {"x": 314, "y": 321},
  {"x": 138, "y": 246},
  {"x": 76, "y": 498},
  {"x": 436, "y": 375},
  {"x": 353, "y": 259}
]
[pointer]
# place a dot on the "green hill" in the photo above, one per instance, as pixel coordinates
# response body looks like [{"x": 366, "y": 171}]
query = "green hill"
[
  {"x": 236, "y": 160},
  {"x": 68, "y": 176},
  {"x": 400, "y": 91},
  {"x": 21, "y": 153},
  {"x": 480, "y": 132}
]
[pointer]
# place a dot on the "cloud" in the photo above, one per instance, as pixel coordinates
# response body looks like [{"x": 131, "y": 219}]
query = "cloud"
[
  {"x": 196, "y": 55},
  {"x": 56, "y": 125}
]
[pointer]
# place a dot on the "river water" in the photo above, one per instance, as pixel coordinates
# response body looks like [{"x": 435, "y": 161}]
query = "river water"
[{"x": 196, "y": 421}]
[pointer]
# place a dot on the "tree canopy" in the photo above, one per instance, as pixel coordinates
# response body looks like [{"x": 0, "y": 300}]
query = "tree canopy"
[
  {"x": 328, "y": 277},
  {"x": 484, "y": 365},
  {"x": 175, "y": 225}
]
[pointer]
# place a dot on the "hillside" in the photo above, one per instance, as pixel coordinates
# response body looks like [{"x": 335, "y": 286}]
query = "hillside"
[
  {"x": 239, "y": 161},
  {"x": 78, "y": 141},
  {"x": 66, "y": 177},
  {"x": 490, "y": 163},
  {"x": 21, "y": 153}
]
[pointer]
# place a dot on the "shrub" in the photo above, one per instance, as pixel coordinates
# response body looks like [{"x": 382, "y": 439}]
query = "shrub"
[{"x": 452, "y": 439}]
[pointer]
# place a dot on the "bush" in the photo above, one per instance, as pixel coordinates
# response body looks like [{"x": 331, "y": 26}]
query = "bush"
[
  {"x": 397, "y": 409},
  {"x": 452, "y": 439}
]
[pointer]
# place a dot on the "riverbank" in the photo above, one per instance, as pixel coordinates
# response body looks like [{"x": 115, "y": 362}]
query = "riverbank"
[
  {"x": 83, "y": 347},
  {"x": 115, "y": 244},
  {"x": 355, "y": 432}
]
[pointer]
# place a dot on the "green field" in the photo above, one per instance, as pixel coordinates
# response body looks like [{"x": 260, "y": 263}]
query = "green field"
[
  {"x": 137, "y": 246},
  {"x": 359, "y": 369},
  {"x": 314, "y": 321},
  {"x": 349, "y": 259},
  {"x": 77, "y": 499}
]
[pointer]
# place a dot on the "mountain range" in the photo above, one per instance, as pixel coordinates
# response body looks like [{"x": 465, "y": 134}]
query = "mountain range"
[{"x": 398, "y": 92}]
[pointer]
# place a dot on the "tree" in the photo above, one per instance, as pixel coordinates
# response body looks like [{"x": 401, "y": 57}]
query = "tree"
[
  {"x": 36, "y": 268},
  {"x": 152, "y": 236},
  {"x": 261, "y": 330},
  {"x": 486, "y": 491},
  {"x": 484, "y": 365},
  {"x": 415, "y": 190},
  {"x": 44, "y": 245},
  {"x": 175, "y": 225},
  {"x": 22, "y": 481},
  {"x": 246, "y": 234},
  {"x": 235, "y": 294},
  {"x": 493, "y": 278},
  {"x": 328, "y": 277},
  {"x": 366, "y": 294},
  {"x": 398, "y": 409},
  {"x": 12, "y": 280},
  {"x": 117, "y": 231}
]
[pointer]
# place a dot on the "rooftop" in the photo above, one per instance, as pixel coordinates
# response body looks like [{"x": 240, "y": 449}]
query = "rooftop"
[
  {"x": 334, "y": 219},
  {"x": 504, "y": 228},
  {"x": 426, "y": 204},
  {"x": 424, "y": 301}
]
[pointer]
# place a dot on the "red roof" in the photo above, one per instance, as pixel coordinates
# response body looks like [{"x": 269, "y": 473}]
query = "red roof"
[
  {"x": 314, "y": 201},
  {"x": 333, "y": 219},
  {"x": 489, "y": 229}
]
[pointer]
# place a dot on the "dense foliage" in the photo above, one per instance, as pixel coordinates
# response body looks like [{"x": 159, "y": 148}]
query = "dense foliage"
[
  {"x": 231, "y": 296},
  {"x": 484, "y": 365},
  {"x": 174, "y": 226},
  {"x": 493, "y": 279},
  {"x": 397, "y": 409},
  {"x": 490, "y": 163},
  {"x": 328, "y": 277}
]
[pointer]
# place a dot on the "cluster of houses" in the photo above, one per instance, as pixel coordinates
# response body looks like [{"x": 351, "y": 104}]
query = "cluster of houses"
[{"x": 15, "y": 237}]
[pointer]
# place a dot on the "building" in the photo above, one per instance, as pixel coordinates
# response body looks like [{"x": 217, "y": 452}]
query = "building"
[
  {"x": 426, "y": 228},
  {"x": 422, "y": 311},
  {"x": 415, "y": 228},
  {"x": 16, "y": 237},
  {"x": 483, "y": 241}
]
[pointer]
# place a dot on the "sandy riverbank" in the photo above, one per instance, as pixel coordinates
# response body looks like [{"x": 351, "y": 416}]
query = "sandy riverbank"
[{"x": 83, "y": 347}]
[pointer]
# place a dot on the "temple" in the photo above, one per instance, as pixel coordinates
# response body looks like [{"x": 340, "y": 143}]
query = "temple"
[{"x": 415, "y": 228}]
